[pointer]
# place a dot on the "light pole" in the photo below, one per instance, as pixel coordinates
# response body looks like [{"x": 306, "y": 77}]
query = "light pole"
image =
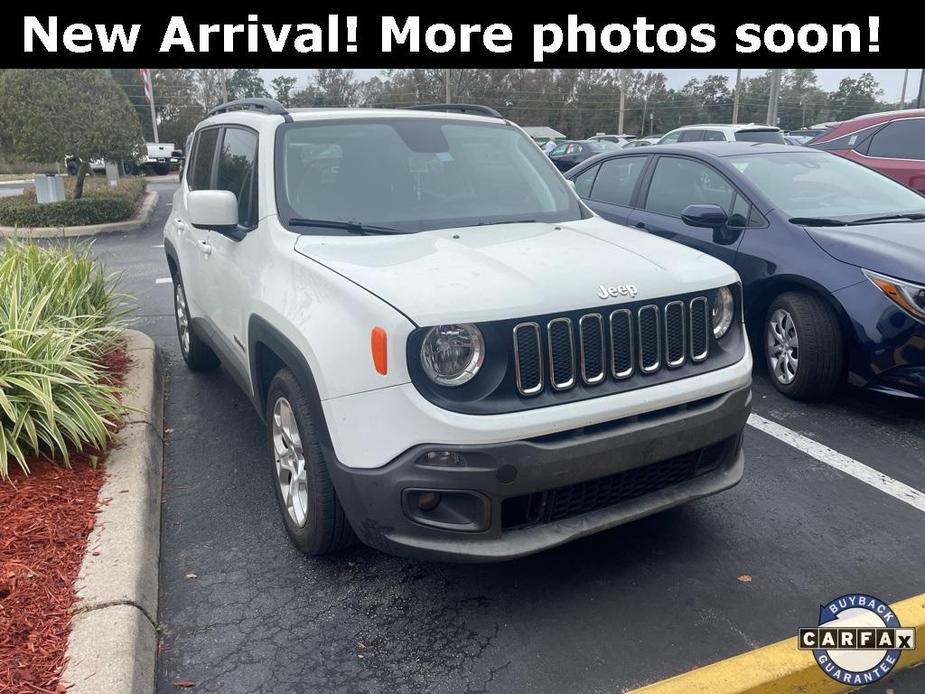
[
  {"x": 773, "y": 97},
  {"x": 902, "y": 96},
  {"x": 735, "y": 102}
]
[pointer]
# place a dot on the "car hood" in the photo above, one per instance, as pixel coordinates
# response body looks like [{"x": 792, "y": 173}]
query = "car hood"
[
  {"x": 896, "y": 249},
  {"x": 504, "y": 271}
]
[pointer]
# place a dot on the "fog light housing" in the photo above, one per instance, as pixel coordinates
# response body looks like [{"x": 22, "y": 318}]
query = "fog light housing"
[
  {"x": 428, "y": 501},
  {"x": 442, "y": 459}
]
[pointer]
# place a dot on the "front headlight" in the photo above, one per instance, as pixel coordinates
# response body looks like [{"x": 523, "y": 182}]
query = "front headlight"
[
  {"x": 909, "y": 297},
  {"x": 723, "y": 311},
  {"x": 452, "y": 355}
]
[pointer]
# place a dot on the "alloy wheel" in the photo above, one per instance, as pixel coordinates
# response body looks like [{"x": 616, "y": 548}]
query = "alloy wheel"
[
  {"x": 290, "y": 462},
  {"x": 182, "y": 317},
  {"x": 783, "y": 345}
]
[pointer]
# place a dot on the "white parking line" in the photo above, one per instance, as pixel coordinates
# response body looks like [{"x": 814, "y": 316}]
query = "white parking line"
[
  {"x": 841, "y": 462},
  {"x": 160, "y": 245},
  {"x": 163, "y": 280}
]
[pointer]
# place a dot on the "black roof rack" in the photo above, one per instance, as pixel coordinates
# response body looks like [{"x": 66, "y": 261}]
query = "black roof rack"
[
  {"x": 458, "y": 108},
  {"x": 270, "y": 106}
]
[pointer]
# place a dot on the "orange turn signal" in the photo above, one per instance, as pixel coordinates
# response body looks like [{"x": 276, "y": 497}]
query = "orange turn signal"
[{"x": 379, "y": 344}]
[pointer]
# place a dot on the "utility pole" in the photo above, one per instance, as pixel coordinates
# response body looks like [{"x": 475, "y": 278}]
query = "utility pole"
[
  {"x": 921, "y": 100},
  {"x": 773, "y": 97},
  {"x": 651, "y": 122},
  {"x": 446, "y": 84},
  {"x": 902, "y": 97},
  {"x": 645, "y": 103},
  {"x": 735, "y": 102},
  {"x": 622, "y": 75}
]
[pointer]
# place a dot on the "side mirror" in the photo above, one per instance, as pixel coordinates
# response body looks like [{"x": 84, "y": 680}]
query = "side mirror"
[
  {"x": 708, "y": 216},
  {"x": 213, "y": 209}
]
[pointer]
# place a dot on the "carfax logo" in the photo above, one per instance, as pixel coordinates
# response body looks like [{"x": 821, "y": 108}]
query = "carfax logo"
[{"x": 858, "y": 639}]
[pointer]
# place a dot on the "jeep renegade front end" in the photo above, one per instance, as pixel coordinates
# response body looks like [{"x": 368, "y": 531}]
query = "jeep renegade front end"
[{"x": 454, "y": 357}]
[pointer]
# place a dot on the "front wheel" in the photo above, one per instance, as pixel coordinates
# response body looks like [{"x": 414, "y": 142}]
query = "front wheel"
[
  {"x": 803, "y": 346},
  {"x": 307, "y": 500}
]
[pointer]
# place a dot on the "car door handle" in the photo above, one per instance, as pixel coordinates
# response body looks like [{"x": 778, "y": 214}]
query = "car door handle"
[
  {"x": 181, "y": 225},
  {"x": 205, "y": 247},
  {"x": 640, "y": 225}
]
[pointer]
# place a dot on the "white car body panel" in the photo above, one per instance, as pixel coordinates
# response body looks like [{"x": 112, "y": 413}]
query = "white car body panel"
[
  {"x": 490, "y": 273},
  {"x": 395, "y": 419}
]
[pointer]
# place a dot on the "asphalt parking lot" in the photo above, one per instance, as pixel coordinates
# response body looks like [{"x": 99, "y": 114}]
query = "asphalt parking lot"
[{"x": 241, "y": 610}]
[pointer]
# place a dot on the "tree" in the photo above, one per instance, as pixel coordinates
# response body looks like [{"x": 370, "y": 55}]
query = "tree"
[
  {"x": 246, "y": 84},
  {"x": 46, "y": 114},
  {"x": 282, "y": 89},
  {"x": 856, "y": 97}
]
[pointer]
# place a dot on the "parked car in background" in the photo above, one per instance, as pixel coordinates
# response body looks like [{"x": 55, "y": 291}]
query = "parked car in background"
[
  {"x": 615, "y": 139},
  {"x": 808, "y": 133},
  {"x": 643, "y": 141},
  {"x": 568, "y": 154},
  {"x": 893, "y": 143},
  {"x": 742, "y": 132},
  {"x": 831, "y": 253},
  {"x": 796, "y": 140},
  {"x": 157, "y": 159}
]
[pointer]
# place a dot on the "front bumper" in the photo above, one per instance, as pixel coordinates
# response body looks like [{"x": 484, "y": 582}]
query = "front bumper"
[
  {"x": 888, "y": 350},
  {"x": 512, "y": 499}
]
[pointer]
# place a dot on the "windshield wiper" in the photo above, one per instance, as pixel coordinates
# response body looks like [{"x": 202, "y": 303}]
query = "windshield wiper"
[
  {"x": 507, "y": 221},
  {"x": 889, "y": 217},
  {"x": 818, "y": 222},
  {"x": 350, "y": 227}
]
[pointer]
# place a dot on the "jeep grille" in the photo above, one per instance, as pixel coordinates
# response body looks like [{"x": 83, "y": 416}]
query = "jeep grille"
[{"x": 612, "y": 345}]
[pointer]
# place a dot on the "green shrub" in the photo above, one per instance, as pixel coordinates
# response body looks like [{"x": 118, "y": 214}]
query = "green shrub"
[
  {"x": 131, "y": 188},
  {"x": 17, "y": 212},
  {"x": 59, "y": 319}
]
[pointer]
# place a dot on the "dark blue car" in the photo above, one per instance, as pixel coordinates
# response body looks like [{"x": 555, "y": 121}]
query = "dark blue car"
[{"x": 831, "y": 253}]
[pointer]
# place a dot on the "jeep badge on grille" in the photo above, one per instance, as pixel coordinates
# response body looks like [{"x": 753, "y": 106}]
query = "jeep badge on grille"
[{"x": 620, "y": 290}]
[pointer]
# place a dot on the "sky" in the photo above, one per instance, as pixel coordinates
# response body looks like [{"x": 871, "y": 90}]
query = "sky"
[{"x": 890, "y": 80}]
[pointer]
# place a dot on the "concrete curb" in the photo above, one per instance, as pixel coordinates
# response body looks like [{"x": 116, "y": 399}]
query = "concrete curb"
[
  {"x": 148, "y": 203},
  {"x": 781, "y": 667},
  {"x": 112, "y": 646}
]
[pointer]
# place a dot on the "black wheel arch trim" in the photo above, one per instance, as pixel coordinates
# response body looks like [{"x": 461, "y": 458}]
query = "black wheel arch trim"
[{"x": 261, "y": 332}]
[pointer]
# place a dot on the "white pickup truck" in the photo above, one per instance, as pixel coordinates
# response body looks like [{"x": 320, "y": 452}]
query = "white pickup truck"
[{"x": 157, "y": 159}]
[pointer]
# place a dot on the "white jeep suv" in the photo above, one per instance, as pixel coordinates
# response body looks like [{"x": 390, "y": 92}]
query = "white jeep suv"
[{"x": 454, "y": 357}]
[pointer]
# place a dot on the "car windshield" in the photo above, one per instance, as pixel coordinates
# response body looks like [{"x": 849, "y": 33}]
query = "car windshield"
[
  {"x": 414, "y": 174},
  {"x": 811, "y": 184},
  {"x": 774, "y": 136}
]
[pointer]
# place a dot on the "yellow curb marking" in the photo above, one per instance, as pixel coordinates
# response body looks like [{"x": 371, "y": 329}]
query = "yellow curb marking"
[{"x": 780, "y": 667}]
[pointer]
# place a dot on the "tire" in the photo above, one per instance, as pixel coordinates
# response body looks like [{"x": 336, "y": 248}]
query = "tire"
[
  {"x": 196, "y": 353},
  {"x": 72, "y": 168},
  {"x": 803, "y": 346},
  {"x": 130, "y": 168},
  {"x": 314, "y": 518},
  {"x": 161, "y": 169}
]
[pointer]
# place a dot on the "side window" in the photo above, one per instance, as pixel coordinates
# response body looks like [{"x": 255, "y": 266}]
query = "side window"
[
  {"x": 200, "y": 175},
  {"x": 678, "y": 183},
  {"x": 670, "y": 138},
  {"x": 739, "y": 216},
  {"x": 617, "y": 180},
  {"x": 584, "y": 181},
  {"x": 558, "y": 151},
  {"x": 237, "y": 172},
  {"x": 713, "y": 136},
  {"x": 901, "y": 139},
  {"x": 691, "y": 136}
]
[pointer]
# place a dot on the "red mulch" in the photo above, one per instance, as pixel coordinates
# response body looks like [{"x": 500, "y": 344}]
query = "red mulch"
[{"x": 45, "y": 519}]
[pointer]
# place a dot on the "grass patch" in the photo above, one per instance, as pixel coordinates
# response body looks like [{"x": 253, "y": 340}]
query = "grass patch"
[{"x": 59, "y": 321}]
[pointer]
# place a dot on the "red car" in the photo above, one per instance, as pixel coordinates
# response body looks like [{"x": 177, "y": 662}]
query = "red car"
[{"x": 892, "y": 143}]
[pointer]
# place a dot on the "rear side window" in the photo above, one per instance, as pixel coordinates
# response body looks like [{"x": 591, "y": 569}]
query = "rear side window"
[
  {"x": 237, "y": 172},
  {"x": 584, "y": 181},
  {"x": 774, "y": 136},
  {"x": 691, "y": 136},
  {"x": 200, "y": 176},
  {"x": 901, "y": 139},
  {"x": 617, "y": 179},
  {"x": 713, "y": 136},
  {"x": 678, "y": 183}
]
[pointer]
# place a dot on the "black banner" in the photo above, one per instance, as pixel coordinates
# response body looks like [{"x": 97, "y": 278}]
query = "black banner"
[{"x": 319, "y": 35}]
